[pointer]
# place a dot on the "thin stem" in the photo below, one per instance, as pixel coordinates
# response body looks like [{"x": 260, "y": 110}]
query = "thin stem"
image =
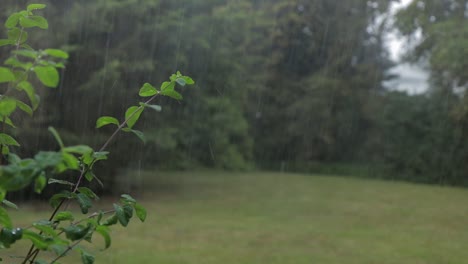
[
  {"x": 124, "y": 123},
  {"x": 3, "y": 131},
  {"x": 18, "y": 42},
  {"x": 67, "y": 250},
  {"x": 30, "y": 254},
  {"x": 79, "y": 241},
  {"x": 36, "y": 252},
  {"x": 109, "y": 140}
]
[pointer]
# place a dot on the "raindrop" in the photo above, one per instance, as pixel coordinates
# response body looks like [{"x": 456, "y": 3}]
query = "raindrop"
[
  {"x": 421, "y": 5},
  {"x": 306, "y": 30},
  {"x": 371, "y": 4},
  {"x": 354, "y": 61},
  {"x": 300, "y": 8}
]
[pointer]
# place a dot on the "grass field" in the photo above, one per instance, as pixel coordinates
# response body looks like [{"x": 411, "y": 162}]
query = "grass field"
[{"x": 210, "y": 217}]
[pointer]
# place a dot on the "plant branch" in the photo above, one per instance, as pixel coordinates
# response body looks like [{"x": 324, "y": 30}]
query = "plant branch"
[
  {"x": 125, "y": 122},
  {"x": 109, "y": 140},
  {"x": 85, "y": 170},
  {"x": 18, "y": 42},
  {"x": 67, "y": 250}
]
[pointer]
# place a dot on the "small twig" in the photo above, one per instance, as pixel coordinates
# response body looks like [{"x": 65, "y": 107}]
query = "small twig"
[
  {"x": 67, "y": 250},
  {"x": 79, "y": 241},
  {"x": 18, "y": 42},
  {"x": 124, "y": 123}
]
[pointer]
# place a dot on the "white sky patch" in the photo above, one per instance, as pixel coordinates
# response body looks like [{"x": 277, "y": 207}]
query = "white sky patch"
[
  {"x": 396, "y": 43},
  {"x": 411, "y": 78}
]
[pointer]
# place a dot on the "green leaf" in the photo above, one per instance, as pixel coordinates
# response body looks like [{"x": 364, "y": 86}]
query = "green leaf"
[
  {"x": 55, "y": 200},
  {"x": 9, "y": 236},
  {"x": 9, "y": 204},
  {"x": 132, "y": 115},
  {"x": 87, "y": 258},
  {"x": 5, "y": 220},
  {"x": 39, "y": 241},
  {"x": 138, "y": 133},
  {"x": 104, "y": 232},
  {"x": 87, "y": 159},
  {"x": 140, "y": 212},
  {"x": 64, "y": 216},
  {"x": 13, "y": 61},
  {"x": 90, "y": 176},
  {"x": 8, "y": 140},
  {"x": 6, "y": 75},
  {"x": 128, "y": 210},
  {"x": 85, "y": 202},
  {"x": 57, "y": 137},
  {"x": 88, "y": 192},
  {"x": 56, "y": 53},
  {"x": 41, "y": 261},
  {"x": 70, "y": 161},
  {"x": 181, "y": 81},
  {"x": 34, "y": 21},
  {"x": 147, "y": 90},
  {"x": 121, "y": 216},
  {"x": 17, "y": 35},
  {"x": 14, "y": 159},
  {"x": 24, "y": 107},
  {"x": 26, "y": 46},
  {"x": 100, "y": 155},
  {"x": 47, "y": 159},
  {"x": 40, "y": 183},
  {"x": 32, "y": 7},
  {"x": 167, "y": 86},
  {"x": 8, "y": 121},
  {"x": 173, "y": 77},
  {"x": 112, "y": 220},
  {"x": 79, "y": 149},
  {"x": 157, "y": 108},
  {"x": 58, "y": 249},
  {"x": 5, "y": 150},
  {"x": 76, "y": 232},
  {"x": 106, "y": 120},
  {"x": 4, "y": 42},
  {"x": 29, "y": 90},
  {"x": 52, "y": 181},
  {"x": 172, "y": 93},
  {"x": 48, "y": 75},
  {"x": 128, "y": 199},
  {"x": 12, "y": 20},
  {"x": 188, "y": 80},
  {"x": 27, "y": 53},
  {"x": 45, "y": 229},
  {"x": 7, "y": 106}
]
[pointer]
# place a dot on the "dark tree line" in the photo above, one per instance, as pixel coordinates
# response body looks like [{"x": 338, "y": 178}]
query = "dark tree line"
[{"x": 283, "y": 84}]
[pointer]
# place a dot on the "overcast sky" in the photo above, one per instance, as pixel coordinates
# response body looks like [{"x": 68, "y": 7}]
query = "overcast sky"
[{"x": 412, "y": 77}]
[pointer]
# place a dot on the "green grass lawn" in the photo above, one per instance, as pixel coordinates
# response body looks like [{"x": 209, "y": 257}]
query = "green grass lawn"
[{"x": 214, "y": 218}]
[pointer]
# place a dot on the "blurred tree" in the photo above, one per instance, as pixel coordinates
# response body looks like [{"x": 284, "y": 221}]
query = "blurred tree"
[
  {"x": 327, "y": 61},
  {"x": 439, "y": 32},
  {"x": 280, "y": 81},
  {"x": 115, "y": 45}
]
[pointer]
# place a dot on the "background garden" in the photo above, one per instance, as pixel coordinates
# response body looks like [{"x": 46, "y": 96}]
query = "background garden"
[{"x": 289, "y": 94}]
